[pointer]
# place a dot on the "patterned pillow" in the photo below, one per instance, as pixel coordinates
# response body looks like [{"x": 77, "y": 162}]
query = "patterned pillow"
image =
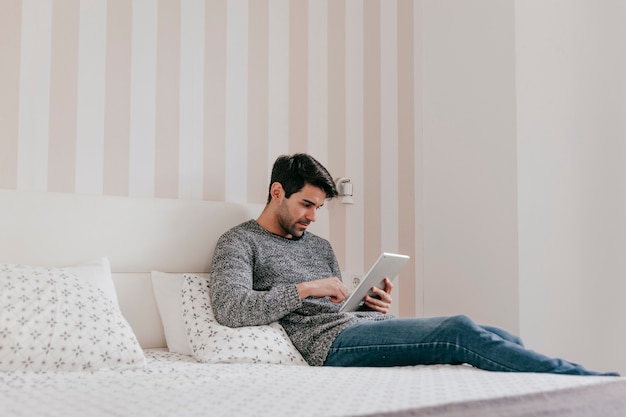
[
  {"x": 213, "y": 343},
  {"x": 51, "y": 320},
  {"x": 97, "y": 272}
]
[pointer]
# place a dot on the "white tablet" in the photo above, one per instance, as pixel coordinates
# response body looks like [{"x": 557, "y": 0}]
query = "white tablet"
[{"x": 388, "y": 265}]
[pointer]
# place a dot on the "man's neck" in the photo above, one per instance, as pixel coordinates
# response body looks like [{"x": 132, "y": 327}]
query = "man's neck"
[{"x": 267, "y": 221}]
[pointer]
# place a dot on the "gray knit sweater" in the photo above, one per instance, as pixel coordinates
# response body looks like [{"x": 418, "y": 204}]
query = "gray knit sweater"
[{"x": 253, "y": 282}]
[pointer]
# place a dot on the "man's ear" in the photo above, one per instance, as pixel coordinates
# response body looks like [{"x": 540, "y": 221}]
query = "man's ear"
[{"x": 277, "y": 191}]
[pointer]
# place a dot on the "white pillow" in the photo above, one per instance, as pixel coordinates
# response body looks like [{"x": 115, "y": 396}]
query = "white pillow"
[
  {"x": 213, "y": 343},
  {"x": 97, "y": 272},
  {"x": 167, "y": 289},
  {"x": 52, "y": 320}
]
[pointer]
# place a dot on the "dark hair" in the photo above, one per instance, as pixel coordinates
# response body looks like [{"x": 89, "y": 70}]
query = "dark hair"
[{"x": 293, "y": 172}]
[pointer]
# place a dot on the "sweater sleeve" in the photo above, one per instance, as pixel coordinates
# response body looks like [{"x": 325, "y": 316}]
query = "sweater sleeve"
[{"x": 235, "y": 302}]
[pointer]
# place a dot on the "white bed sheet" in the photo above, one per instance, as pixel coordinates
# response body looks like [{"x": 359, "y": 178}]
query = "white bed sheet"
[{"x": 176, "y": 385}]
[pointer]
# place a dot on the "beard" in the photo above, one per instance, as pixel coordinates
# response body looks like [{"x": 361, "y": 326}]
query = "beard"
[{"x": 294, "y": 228}]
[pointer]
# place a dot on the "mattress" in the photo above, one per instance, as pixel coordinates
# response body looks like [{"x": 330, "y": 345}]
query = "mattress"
[{"x": 177, "y": 385}]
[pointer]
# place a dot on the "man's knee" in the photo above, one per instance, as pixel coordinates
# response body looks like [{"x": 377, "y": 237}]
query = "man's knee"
[{"x": 460, "y": 321}]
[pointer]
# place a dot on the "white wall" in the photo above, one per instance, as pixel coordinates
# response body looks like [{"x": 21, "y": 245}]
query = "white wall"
[
  {"x": 524, "y": 170},
  {"x": 469, "y": 161},
  {"x": 571, "y": 109}
]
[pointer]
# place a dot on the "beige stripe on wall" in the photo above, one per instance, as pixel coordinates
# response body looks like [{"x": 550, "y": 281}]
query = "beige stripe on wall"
[
  {"x": 418, "y": 162},
  {"x": 258, "y": 99},
  {"x": 10, "y": 29},
  {"x": 406, "y": 152},
  {"x": 389, "y": 125},
  {"x": 337, "y": 116},
  {"x": 298, "y": 76},
  {"x": 215, "y": 99},
  {"x": 278, "y": 81},
  {"x": 317, "y": 79},
  {"x": 63, "y": 96},
  {"x": 167, "y": 138},
  {"x": 372, "y": 141},
  {"x": 355, "y": 132}
]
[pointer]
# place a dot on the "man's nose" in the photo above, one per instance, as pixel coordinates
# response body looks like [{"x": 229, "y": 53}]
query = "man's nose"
[{"x": 311, "y": 213}]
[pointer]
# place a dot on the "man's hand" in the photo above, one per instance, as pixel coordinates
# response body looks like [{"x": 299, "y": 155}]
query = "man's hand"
[
  {"x": 382, "y": 301},
  {"x": 328, "y": 287}
]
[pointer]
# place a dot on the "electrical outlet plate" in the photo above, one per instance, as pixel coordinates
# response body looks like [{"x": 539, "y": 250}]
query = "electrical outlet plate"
[
  {"x": 355, "y": 280},
  {"x": 351, "y": 279}
]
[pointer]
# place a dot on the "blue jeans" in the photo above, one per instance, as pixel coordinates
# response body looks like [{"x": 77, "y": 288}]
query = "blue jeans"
[{"x": 440, "y": 340}]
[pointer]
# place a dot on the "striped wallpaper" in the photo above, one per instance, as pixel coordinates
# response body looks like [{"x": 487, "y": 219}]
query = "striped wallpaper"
[{"x": 194, "y": 99}]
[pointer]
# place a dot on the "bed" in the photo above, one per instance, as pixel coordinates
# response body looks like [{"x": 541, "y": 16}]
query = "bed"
[{"x": 104, "y": 313}]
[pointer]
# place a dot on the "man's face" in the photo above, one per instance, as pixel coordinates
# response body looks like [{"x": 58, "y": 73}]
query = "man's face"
[{"x": 295, "y": 213}]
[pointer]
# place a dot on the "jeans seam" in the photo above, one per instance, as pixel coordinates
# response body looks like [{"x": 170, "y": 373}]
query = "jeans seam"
[{"x": 418, "y": 345}]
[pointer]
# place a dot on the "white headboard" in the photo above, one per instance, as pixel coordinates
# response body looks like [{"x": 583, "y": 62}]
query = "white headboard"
[{"x": 138, "y": 235}]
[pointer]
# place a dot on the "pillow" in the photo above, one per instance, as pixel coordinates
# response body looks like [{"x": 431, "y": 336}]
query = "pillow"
[
  {"x": 52, "y": 320},
  {"x": 214, "y": 343},
  {"x": 96, "y": 272},
  {"x": 167, "y": 288}
]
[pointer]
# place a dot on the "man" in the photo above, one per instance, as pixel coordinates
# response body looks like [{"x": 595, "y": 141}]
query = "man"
[{"x": 271, "y": 269}]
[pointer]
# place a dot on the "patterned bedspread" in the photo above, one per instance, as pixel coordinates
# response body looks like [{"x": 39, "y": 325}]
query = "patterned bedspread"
[{"x": 177, "y": 385}]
